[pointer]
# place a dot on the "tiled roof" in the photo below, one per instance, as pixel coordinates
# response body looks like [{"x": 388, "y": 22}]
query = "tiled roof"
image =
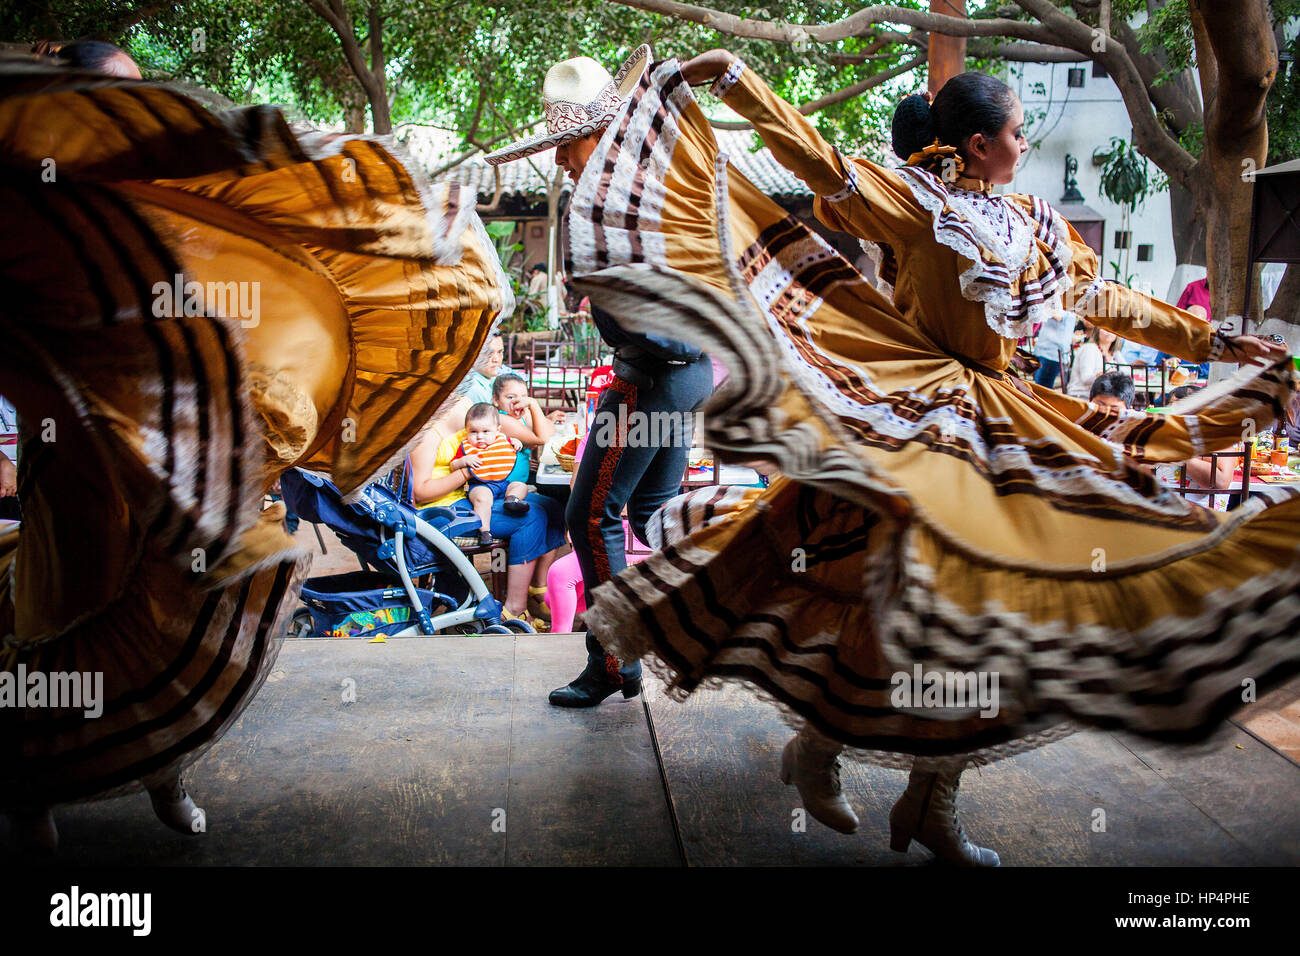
[{"x": 527, "y": 177}]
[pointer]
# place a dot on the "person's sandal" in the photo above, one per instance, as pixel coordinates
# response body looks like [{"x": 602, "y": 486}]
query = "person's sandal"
[
  {"x": 485, "y": 539},
  {"x": 538, "y": 625},
  {"x": 537, "y": 604},
  {"x": 514, "y": 506}
]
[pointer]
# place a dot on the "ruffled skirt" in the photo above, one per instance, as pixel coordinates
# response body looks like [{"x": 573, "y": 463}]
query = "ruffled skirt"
[{"x": 195, "y": 302}]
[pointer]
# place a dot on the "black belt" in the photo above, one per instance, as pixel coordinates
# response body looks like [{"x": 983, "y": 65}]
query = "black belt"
[
  {"x": 1003, "y": 376},
  {"x": 640, "y": 368}
]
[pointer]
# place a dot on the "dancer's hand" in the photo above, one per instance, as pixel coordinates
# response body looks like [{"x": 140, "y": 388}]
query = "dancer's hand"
[
  {"x": 1251, "y": 349},
  {"x": 706, "y": 67}
]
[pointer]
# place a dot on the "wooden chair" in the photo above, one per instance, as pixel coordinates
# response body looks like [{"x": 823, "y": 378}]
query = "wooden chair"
[
  {"x": 1214, "y": 490},
  {"x": 553, "y": 379},
  {"x": 713, "y": 472}
]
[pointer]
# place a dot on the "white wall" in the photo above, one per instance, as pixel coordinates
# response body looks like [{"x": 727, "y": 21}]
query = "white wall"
[{"x": 1078, "y": 121}]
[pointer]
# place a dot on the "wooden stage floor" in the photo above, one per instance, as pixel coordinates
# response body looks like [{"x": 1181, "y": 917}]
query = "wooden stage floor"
[{"x": 450, "y": 754}]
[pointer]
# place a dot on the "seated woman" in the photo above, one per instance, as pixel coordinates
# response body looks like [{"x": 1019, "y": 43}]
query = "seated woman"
[
  {"x": 1088, "y": 360},
  {"x": 533, "y": 537},
  {"x": 522, "y": 419},
  {"x": 490, "y": 364}
]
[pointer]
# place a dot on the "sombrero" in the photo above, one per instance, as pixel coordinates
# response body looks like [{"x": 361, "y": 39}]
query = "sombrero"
[{"x": 580, "y": 98}]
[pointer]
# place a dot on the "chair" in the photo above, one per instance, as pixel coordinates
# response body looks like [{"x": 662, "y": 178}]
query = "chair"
[
  {"x": 1213, "y": 491},
  {"x": 630, "y": 543},
  {"x": 1064, "y": 366},
  {"x": 557, "y": 383},
  {"x": 1143, "y": 394}
]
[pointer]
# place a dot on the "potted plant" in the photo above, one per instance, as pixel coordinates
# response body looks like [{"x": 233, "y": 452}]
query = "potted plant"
[{"x": 1125, "y": 181}]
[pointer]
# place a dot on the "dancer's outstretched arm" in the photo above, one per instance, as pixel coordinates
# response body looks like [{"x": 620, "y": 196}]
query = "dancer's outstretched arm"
[
  {"x": 853, "y": 195},
  {"x": 1149, "y": 321}
]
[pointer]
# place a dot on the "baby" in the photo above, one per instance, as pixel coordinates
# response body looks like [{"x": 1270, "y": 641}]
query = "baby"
[{"x": 489, "y": 456}]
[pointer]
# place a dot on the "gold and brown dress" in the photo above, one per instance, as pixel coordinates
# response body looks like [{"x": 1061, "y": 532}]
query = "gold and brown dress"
[
  {"x": 195, "y": 302},
  {"x": 933, "y": 511}
]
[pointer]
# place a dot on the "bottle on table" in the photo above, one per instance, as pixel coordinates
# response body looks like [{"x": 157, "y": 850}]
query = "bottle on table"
[{"x": 1281, "y": 445}]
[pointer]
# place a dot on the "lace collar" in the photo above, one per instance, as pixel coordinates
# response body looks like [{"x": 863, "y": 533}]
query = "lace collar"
[{"x": 1003, "y": 242}]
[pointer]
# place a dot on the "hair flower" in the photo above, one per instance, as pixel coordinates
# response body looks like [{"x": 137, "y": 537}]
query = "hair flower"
[{"x": 941, "y": 160}]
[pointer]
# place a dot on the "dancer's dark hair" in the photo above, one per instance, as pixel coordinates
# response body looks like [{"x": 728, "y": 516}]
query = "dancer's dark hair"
[
  {"x": 969, "y": 103},
  {"x": 80, "y": 54}
]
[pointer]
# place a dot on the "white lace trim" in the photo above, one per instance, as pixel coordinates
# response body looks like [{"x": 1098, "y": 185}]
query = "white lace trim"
[
  {"x": 1008, "y": 235},
  {"x": 1082, "y": 302},
  {"x": 876, "y": 256},
  {"x": 728, "y": 79},
  {"x": 1087, "y": 478},
  {"x": 850, "y": 184}
]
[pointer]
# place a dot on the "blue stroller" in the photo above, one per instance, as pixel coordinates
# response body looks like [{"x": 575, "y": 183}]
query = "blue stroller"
[{"x": 397, "y": 547}]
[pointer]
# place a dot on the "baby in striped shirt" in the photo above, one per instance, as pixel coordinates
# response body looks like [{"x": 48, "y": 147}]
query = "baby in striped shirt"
[{"x": 488, "y": 457}]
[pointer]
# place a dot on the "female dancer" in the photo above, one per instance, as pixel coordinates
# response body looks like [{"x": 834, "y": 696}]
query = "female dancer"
[
  {"x": 193, "y": 304},
  {"x": 938, "y": 520}
]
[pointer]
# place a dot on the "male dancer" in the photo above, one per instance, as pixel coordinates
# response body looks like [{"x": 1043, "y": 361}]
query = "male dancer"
[{"x": 654, "y": 376}]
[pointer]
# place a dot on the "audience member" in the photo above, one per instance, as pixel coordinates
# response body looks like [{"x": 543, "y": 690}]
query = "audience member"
[
  {"x": 1089, "y": 361},
  {"x": 1112, "y": 391}
]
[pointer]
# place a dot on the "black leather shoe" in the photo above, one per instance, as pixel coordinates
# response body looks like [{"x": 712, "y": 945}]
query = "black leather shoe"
[
  {"x": 514, "y": 507},
  {"x": 590, "y": 688}
]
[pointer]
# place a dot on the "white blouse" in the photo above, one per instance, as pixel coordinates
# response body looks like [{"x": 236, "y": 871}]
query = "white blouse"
[{"x": 1086, "y": 368}]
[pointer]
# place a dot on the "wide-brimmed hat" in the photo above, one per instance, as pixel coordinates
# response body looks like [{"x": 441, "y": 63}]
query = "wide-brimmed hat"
[{"x": 580, "y": 98}]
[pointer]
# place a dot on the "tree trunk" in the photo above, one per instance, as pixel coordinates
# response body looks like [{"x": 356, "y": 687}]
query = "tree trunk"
[
  {"x": 379, "y": 111},
  {"x": 947, "y": 54},
  {"x": 377, "y": 89},
  {"x": 1189, "y": 226},
  {"x": 1237, "y": 38},
  {"x": 354, "y": 107}
]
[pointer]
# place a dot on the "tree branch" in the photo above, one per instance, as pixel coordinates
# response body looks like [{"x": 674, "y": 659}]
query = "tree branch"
[
  {"x": 347, "y": 37},
  {"x": 1024, "y": 52},
  {"x": 482, "y": 147},
  {"x": 1179, "y": 99},
  {"x": 147, "y": 11},
  {"x": 839, "y": 96},
  {"x": 856, "y": 24},
  {"x": 1149, "y": 136}
]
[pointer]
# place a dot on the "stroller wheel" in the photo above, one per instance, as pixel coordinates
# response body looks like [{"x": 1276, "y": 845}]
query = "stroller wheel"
[
  {"x": 496, "y": 629},
  {"x": 518, "y": 626},
  {"x": 300, "y": 626}
]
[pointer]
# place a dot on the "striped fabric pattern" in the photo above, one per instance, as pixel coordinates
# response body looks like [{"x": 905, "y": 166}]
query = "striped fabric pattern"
[
  {"x": 154, "y": 427},
  {"x": 498, "y": 458},
  {"x": 931, "y": 514}
]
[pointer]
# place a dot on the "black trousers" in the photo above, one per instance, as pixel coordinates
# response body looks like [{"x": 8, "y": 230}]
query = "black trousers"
[{"x": 637, "y": 448}]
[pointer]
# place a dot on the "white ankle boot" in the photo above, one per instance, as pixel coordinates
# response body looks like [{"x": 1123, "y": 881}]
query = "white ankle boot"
[
  {"x": 173, "y": 806},
  {"x": 814, "y": 769},
  {"x": 927, "y": 813}
]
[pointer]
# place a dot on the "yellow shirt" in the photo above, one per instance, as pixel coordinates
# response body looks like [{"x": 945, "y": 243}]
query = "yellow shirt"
[{"x": 442, "y": 468}]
